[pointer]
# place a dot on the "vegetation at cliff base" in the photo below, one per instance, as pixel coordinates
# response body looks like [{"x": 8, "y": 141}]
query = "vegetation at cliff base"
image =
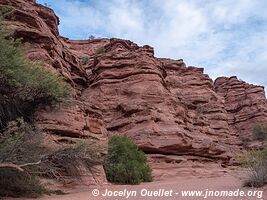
[
  {"x": 24, "y": 159},
  {"x": 125, "y": 163},
  {"x": 18, "y": 184},
  {"x": 255, "y": 160},
  {"x": 20, "y": 151}
]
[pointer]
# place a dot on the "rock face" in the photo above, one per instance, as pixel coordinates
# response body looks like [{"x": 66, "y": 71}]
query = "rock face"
[
  {"x": 245, "y": 104},
  {"x": 164, "y": 106},
  {"x": 120, "y": 88}
]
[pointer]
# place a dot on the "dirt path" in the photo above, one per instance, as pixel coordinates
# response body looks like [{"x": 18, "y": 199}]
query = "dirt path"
[{"x": 168, "y": 189}]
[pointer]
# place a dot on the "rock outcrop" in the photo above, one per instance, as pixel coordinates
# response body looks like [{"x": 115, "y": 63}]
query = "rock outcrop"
[
  {"x": 245, "y": 104},
  {"x": 120, "y": 88},
  {"x": 166, "y": 107}
]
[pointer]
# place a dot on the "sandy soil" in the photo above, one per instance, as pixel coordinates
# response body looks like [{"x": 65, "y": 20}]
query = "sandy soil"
[{"x": 223, "y": 183}]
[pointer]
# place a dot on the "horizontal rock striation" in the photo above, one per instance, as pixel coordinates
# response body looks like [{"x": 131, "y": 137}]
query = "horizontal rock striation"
[
  {"x": 120, "y": 88},
  {"x": 246, "y": 104},
  {"x": 164, "y": 106}
]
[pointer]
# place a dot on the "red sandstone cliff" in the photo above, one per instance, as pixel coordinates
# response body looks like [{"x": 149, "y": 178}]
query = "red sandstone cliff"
[
  {"x": 245, "y": 104},
  {"x": 121, "y": 88}
]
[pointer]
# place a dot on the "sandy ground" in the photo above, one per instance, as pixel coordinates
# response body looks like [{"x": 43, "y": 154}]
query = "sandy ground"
[{"x": 170, "y": 189}]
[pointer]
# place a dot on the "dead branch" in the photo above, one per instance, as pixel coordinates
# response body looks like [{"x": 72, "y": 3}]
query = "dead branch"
[
  {"x": 18, "y": 167},
  {"x": 13, "y": 166}
]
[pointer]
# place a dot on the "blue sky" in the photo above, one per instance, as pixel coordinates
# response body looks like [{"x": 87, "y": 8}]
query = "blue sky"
[{"x": 225, "y": 37}]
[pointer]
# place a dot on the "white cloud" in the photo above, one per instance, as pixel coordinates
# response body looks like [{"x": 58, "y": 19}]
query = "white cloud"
[
  {"x": 122, "y": 21},
  {"x": 225, "y": 37}
]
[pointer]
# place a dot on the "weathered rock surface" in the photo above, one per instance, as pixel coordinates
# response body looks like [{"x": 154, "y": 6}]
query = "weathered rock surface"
[
  {"x": 246, "y": 104},
  {"x": 166, "y": 107},
  {"x": 120, "y": 88}
]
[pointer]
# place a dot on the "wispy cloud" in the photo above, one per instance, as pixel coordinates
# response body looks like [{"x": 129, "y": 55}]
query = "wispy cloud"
[{"x": 225, "y": 38}]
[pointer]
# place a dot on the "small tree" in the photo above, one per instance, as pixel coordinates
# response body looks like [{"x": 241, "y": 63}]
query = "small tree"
[
  {"x": 125, "y": 163},
  {"x": 31, "y": 80},
  {"x": 91, "y": 37},
  {"x": 24, "y": 84}
]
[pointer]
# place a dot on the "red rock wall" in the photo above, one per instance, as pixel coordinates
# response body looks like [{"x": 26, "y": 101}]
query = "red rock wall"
[
  {"x": 246, "y": 104},
  {"x": 121, "y": 88},
  {"x": 166, "y": 107}
]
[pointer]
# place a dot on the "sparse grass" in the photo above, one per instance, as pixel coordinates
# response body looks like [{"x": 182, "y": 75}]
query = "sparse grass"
[{"x": 125, "y": 163}]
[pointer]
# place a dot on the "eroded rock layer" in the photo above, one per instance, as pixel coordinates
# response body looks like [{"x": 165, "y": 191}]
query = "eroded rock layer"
[
  {"x": 245, "y": 104},
  {"x": 120, "y": 88}
]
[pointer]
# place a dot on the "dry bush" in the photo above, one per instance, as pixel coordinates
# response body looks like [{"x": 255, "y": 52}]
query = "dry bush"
[
  {"x": 255, "y": 161},
  {"x": 68, "y": 162},
  {"x": 23, "y": 159},
  {"x": 20, "y": 143},
  {"x": 17, "y": 184},
  {"x": 20, "y": 151}
]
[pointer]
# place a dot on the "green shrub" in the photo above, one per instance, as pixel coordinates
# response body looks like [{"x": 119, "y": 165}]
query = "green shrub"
[
  {"x": 255, "y": 161},
  {"x": 260, "y": 132},
  {"x": 32, "y": 82},
  {"x": 125, "y": 163}
]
